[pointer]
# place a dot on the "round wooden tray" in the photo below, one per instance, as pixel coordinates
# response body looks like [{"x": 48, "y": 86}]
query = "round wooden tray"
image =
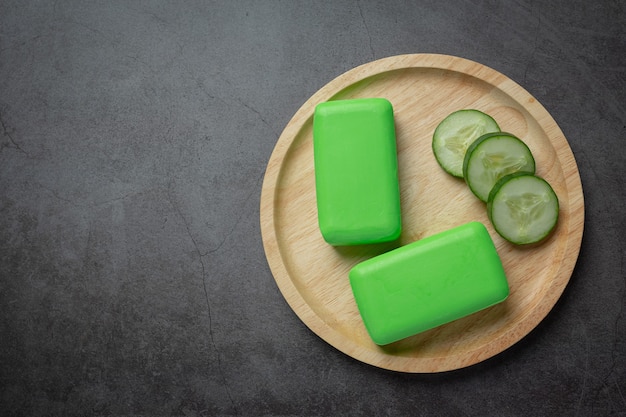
[{"x": 423, "y": 88}]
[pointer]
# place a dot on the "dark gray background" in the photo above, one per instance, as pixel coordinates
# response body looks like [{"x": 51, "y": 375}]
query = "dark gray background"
[{"x": 134, "y": 137}]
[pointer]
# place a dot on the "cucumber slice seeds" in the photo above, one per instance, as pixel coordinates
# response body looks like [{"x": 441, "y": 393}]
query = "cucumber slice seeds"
[
  {"x": 493, "y": 156},
  {"x": 523, "y": 208},
  {"x": 456, "y": 133}
]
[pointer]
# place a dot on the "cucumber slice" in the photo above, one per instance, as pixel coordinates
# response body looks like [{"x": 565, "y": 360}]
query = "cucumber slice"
[
  {"x": 523, "y": 208},
  {"x": 493, "y": 156},
  {"x": 454, "y": 135}
]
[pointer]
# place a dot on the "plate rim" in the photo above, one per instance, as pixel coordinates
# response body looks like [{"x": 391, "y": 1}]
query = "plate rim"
[{"x": 269, "y": 192}]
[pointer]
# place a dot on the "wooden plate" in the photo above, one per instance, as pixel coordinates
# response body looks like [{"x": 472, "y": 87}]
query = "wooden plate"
[{"x": 423, "y": 88}]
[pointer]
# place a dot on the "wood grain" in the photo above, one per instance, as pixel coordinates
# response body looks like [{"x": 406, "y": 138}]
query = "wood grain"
[{"x": 423, "y": 88}]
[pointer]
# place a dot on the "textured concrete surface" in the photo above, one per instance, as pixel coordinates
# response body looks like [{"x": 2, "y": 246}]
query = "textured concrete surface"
[{"x": 133, "y": 142}]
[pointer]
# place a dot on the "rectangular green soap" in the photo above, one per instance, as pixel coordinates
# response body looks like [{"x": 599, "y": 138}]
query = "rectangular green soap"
[
  {"x": 428, "y": 283},
  {"x": 356, "y": 171}
]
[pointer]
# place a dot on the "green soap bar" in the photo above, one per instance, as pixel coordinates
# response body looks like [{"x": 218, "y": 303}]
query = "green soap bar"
[
  {"x": 356, "y": 171},
  {"x": 428, "y": 283}
]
